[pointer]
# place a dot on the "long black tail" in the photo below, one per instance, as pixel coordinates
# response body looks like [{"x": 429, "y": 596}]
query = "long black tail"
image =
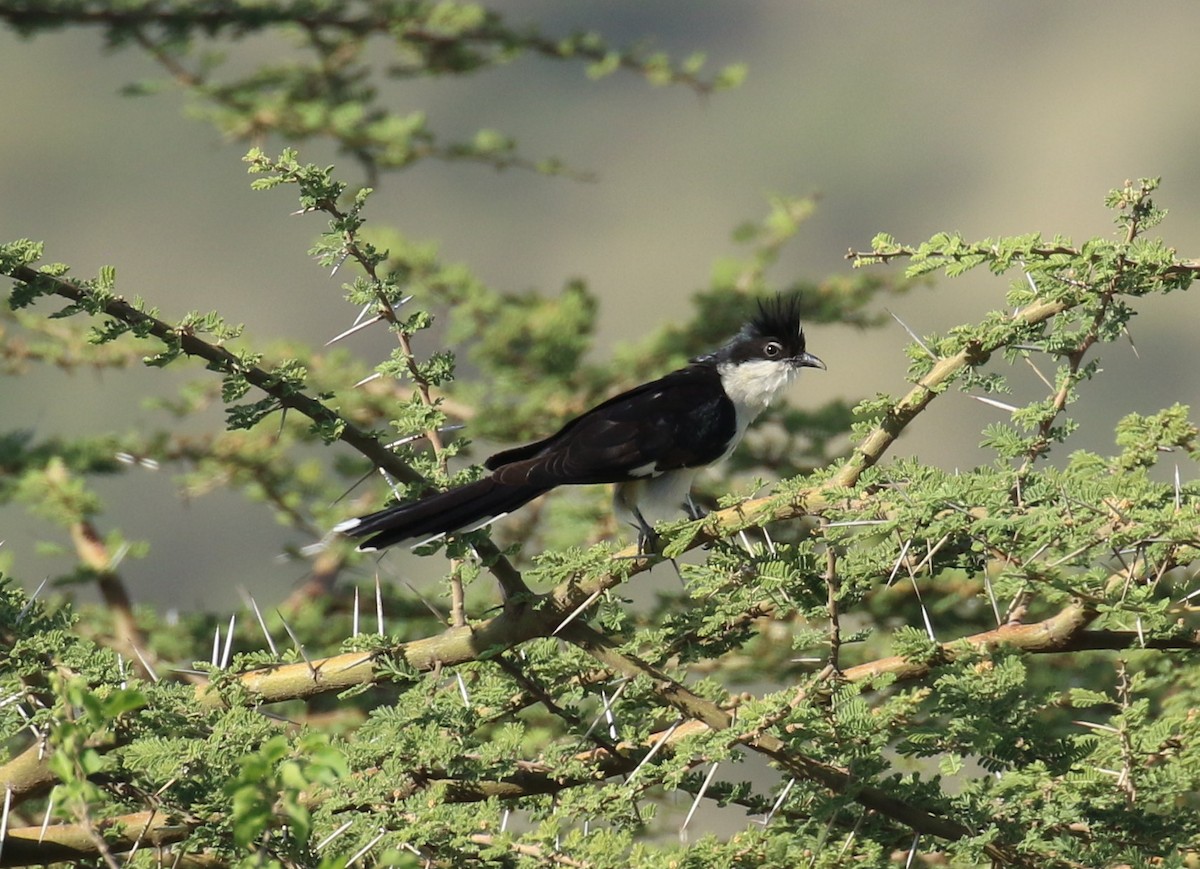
[{"x": 456, "y": 510}]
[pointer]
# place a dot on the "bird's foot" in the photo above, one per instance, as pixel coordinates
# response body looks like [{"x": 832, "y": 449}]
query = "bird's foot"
[{"x": 649, "y": 542}]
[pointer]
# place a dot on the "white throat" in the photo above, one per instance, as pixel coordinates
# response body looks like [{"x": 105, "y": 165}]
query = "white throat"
[{"x": 753, "y": 385}]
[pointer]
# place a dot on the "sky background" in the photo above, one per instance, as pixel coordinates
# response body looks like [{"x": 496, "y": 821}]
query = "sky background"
[{"x": 988, "y": 119}]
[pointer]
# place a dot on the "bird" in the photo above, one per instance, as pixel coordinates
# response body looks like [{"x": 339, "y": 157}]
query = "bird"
[{"x": 651, "y": 440}]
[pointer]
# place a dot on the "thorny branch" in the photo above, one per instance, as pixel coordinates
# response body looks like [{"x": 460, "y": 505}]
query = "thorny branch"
[
  {"x": 221, "y": 359},
  {"x": 489, "y": 33},
  {"x": 1063, "y": 632},
  {"x": 386, "y": 312},
  {"x": 527, "y": 618}
]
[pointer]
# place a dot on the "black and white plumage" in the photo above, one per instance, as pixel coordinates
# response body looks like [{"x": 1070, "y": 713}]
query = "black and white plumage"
[{"x": 651, "y": 440}]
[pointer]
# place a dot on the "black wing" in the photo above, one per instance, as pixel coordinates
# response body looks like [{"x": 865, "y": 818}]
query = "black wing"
[{"x": 682, "y": 420}]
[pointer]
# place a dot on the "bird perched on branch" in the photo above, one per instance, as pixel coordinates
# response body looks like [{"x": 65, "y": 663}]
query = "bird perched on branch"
[{"x": 651, "y": 440}]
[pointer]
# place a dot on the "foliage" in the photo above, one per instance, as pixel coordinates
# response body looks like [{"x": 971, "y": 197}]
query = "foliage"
[{"x": 987, "y": 666}]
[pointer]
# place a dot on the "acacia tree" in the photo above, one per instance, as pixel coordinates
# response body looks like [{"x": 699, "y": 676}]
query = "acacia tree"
[{"x": 528, "y": 715}]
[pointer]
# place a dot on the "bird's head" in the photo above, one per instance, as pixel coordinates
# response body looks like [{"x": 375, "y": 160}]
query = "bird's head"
[
  {"x": 765, "y": 355},
  {"x": 772, "y": 335}
]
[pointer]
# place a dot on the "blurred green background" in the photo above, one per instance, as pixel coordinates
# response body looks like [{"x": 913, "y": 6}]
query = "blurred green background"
[{"x": 910, "y": 118}]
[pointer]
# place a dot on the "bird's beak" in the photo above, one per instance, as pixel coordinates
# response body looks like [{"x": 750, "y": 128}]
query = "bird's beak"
[{"x": 807, "y": 360}]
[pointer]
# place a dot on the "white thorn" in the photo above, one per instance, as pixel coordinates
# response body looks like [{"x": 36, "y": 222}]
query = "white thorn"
[
  {"x": 216, "y": 649},
  {"x": 1132, "y": 346},
  {"x": 1071, "y": 555},
  {"x": 924, "y": 612},
  {"x": 393, "y": 485},
  {"x": 770, "y": 543},
  {"x": 343, "y": 828},
  {"x": 662, "y": 740},
  {"x": 262, "y": 623},
  {"x": 354, "y": 621},
  {"x": 1038, "y": 372},
  {"x": 787, "y": 789},
  {"x": 850, "y": 838},
  {"x": 587, "y": 603},
  {"x": 416, "y": 437},
  {"x": 366, "y": 309},
  {"x": 365, "y": 848},
  {"x": 899, "y": 561},
  {"x": 699, "y": 796},
  {"x": 296, "y": 640},
  {"x": 928, "y": 559},
  {"x": 912, "y": 852},
  {"x": 379, "y": 606},
  {"x": 228, "y": 651},
  {"x": 29, "y": 603},
  {"x": 137, "y": 843},
  {"x": 606, "y": 712},
  {"x": 46, "y": 817},
  {"x": 462, "y": 689},
  {"x": 4, "y": 816},
  {"x": 912, "y": 334},
  {"x": 987, "y": 584},
  {"x": 1035, "y": 555},
  {"x": 1094, "y": 726},
  {"x": 339, "y": 263},
  {"x": 610, "y": 717},
  {"x": 367, "y": 380},
  {"x": 355, "y": 328},
  {"x": 1188, "y": 596},
  {"x": 441, "y": 617},
  {"x": 119, "y": 556},
  {"x": 994, "y": 403}
]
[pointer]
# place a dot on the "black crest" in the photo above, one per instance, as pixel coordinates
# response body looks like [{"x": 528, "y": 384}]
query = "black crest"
[{"x": 778, "y": 318}]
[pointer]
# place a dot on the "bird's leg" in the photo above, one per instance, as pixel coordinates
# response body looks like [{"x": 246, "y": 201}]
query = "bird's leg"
[
  {"x": 693, "y": 510},
  {"x": 650, "y": 543}
]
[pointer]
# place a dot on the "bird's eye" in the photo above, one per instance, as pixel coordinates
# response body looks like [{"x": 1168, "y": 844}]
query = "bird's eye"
[{"x": 772, "y": 349}]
